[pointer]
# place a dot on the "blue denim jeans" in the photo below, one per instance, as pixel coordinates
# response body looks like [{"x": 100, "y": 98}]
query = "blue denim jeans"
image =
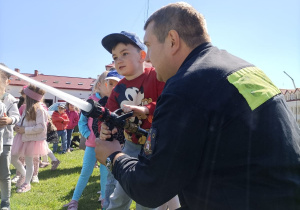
[
  {"x": 110, "y": 187},
  {"x": 69, "y": 135},
  {"x": 63, "y": 135}
]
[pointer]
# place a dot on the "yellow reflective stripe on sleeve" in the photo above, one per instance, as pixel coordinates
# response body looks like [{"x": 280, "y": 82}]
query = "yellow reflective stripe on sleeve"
[{"x": 254, "y": 85}]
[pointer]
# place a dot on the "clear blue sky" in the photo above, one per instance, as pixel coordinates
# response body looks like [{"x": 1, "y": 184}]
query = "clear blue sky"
[{"x": 63, "y": 37}]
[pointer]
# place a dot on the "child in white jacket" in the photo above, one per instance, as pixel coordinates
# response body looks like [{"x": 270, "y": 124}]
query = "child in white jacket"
[{"x": 2, "y": 114}]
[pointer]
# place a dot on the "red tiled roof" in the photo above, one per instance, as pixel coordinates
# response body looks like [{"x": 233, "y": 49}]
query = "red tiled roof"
[
  {"x": 61, "y": 82},
  {"x": 283, "y": 91},
  {"x": 290, "y": 91}
]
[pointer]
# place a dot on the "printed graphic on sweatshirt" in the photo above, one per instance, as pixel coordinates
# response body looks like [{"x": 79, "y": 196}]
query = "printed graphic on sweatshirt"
[{"x": 133, "y": 96}]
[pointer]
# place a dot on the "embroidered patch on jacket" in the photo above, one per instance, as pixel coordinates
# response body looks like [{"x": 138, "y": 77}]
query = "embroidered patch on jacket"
[
  {"x": 150, "y": 140},
  {"x": 254, "y": 85}
]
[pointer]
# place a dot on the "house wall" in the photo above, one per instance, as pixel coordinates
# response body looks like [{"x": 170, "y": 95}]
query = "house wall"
[
  {"x": 293, "y": 101},
  {"x": 292, "y": 105}
]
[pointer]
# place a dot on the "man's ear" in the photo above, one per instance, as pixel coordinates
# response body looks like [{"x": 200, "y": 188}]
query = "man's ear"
[
  {"x": 8, "y": 81},
  {"x": 174, "y": 41}
]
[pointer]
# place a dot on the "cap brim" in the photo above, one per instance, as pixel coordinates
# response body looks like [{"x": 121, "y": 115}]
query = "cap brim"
[
  {"x": 112, "y": 40},
  {"x": 113, "y": 78}
]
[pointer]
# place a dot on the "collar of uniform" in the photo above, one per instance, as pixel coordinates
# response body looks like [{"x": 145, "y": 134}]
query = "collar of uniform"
[{"x": 196, "y": 51}]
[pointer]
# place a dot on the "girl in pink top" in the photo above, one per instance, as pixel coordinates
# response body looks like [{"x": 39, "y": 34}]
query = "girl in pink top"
[
  {"x": 30, "y": 140},
  {"x": 89, "y": 159},
  {"x": 74, "y": 118}
]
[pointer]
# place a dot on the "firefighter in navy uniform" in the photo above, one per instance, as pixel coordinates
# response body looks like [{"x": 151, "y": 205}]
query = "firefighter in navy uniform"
[{"x": 222, "y": 133}]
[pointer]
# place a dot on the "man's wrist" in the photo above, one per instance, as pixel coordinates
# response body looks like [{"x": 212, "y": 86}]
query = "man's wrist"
[
  {"x": 110, "y": 160},
  {"x": 116, "y": 157}
]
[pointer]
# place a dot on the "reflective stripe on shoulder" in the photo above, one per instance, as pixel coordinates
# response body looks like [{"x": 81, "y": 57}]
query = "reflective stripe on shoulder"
[{"x": 254, "y": 85}]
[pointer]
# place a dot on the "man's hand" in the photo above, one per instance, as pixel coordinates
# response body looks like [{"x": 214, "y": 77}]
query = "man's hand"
[
  {"x": 139, "y": 111},
  {"x": 5, "y": 120},
  {"x": 105, "y": 148}
]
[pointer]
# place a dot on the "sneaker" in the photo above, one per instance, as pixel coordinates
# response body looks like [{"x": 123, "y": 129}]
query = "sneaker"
[
  {"x": 96, "y": 165},
  {"x": 100, "y": 198},
  {"x": 15, "y": 179},
  {"x": 55, "y": 164},
  {"x": 5, "y": 205},
  {"x": 73, "y": 205},
  {"x": 44, "y": 164},
  {"x": 21, "y": 181},
  {"x": 62, "y": 152},
  {"x": 24, "y": 188},
  {"x": 35, "y": 179},
  {"x": 102, "y": 204},
  {"x": 68, "y": 150}
]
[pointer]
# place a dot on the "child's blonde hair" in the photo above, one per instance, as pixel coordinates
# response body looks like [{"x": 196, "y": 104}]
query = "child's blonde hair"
[{"x": 100, "y": 79}]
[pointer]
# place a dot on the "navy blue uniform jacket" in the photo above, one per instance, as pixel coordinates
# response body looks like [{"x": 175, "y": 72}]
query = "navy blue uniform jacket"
[{"x": 222, "y": 134}]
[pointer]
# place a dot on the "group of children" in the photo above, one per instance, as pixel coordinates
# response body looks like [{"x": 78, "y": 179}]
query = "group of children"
[
  {"x": 30, "y": 123},
  {"x": 131, "y": 86}
]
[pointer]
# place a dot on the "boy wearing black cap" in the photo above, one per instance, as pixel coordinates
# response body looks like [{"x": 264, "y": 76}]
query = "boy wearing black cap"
[{"x": 137, "y": 91}]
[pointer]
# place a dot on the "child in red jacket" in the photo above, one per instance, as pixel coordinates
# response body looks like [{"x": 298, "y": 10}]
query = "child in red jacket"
[
  {"x": 74, "y": 118},
  {"x": 60, "y": 120}
]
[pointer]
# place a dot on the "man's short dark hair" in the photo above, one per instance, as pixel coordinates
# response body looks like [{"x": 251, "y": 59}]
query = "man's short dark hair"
[{"x": 183, "y": 18}]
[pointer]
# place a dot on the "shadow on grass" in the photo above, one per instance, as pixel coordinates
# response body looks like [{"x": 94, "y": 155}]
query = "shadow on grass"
[
  {"x": 89, "y": 197},
  {"x": 46, "y": 174}
]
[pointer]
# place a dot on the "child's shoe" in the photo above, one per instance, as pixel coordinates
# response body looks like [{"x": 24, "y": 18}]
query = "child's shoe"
[
  {"x": 55, "y": 164},
  {"x": 15, "y": 179},
  {"x": 100, "y": 197},
  {"x": 35, "y": 179},
  {"x": 24, "y": 188},
  {"x": 21, "y": 181},
  {"x": 5, "y": 205},
  {"x": 96, "y": 165},
  {"x": 44, "y": 164},
  {"x": 73, "y": 205}
]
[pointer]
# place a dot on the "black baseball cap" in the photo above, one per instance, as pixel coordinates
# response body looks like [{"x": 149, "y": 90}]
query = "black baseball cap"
[{"x": 112, "y": 40}]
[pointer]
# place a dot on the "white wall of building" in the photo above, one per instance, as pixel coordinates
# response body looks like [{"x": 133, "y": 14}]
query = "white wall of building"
[
  {"x": 15, "y": 91},
  {"x": 292, "y": 105}
]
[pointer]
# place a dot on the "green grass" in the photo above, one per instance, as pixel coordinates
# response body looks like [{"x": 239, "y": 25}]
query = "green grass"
[{"x": 56, "y": 187}]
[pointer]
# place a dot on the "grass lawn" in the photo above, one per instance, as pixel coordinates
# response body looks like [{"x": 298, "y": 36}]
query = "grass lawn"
[{"x": 56, "y": 187}]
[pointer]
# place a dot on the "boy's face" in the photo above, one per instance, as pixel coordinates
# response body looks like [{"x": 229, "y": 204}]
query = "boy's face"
[
  {"x": 110, "y": 85},
  {"x": 61, "y": 110},
  {"x": 128, "y": 61}
]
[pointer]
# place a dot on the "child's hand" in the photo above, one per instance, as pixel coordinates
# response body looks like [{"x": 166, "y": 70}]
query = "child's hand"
[
  {"x": 5, "y": 120},
  {"x": 139, "y": 111},
  {"x": 105, "y": 133},
  {"x": 20, "y": 129}
]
